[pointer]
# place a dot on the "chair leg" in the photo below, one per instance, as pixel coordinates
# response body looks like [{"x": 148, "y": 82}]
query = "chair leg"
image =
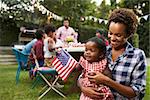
[
  {"x": 18, "y": 74},
  {"x": 43, "y": 88},
  {"x": 36, "y": 82},
  {"x": 50, "y": 87}
]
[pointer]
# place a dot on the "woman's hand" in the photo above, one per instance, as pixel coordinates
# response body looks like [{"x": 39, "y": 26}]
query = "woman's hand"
[
  {"x": 122, "y": 89},
  {"x": 91, "y": 92},
  {"x": 98, "y": 78}
]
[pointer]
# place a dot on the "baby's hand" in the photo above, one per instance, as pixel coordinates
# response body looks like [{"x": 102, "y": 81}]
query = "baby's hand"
[
  {"x": 91, "y": 73},
  {"x": 98, "y": 78}
]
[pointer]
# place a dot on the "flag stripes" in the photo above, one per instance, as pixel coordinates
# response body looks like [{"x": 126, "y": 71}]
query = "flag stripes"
[{"x": 64, "y": 71}]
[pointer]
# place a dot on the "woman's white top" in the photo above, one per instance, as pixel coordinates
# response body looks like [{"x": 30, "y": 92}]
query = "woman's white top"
[{"x": 47, "y": 53}]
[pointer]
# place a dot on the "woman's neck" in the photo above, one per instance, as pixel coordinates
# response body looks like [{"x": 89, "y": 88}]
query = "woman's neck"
[
  {"x": 120, "y": 48},
  {"x": 117, "y": 52}
]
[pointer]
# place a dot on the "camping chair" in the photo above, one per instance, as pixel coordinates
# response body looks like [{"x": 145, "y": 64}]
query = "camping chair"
[
  {"x": 22, "y": 61},
  {"x": 46, "y": 70},
  {"x": 64, "y": 64}
]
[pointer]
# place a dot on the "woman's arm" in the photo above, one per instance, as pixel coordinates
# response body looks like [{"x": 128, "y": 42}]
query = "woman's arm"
[
  {"x": 89, "y": 91},
  {"x": 107, "y": 72},
  {"x": 122, "y": 89}
]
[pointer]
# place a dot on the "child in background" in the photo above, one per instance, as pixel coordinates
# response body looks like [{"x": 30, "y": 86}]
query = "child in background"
[
  {"x": 38, "y": 48},
  {"x": 94, "y": 61},
  {"x": 38, "y": 51}
]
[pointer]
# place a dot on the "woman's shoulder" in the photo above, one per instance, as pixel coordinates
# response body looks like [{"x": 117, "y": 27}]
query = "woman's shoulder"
[
  {"x": 46, "y": 39},
  {"x": 136, "y": 52},
  {"x": 38, "y": 42},
  {"x": 50, "y": 39},
  {"x": 136, "y": 55},
  {"x": 139, "y": 53}
]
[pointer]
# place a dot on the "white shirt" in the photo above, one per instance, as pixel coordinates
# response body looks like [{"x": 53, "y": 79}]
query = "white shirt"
[
  {"x": 47, "y": 53},
  {"x": 62, "y": 33},
  {"x": 59, "y": 43}
]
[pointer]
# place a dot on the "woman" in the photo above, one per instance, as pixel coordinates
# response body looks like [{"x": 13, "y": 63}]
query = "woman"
[{"x": 128, "y": 64}]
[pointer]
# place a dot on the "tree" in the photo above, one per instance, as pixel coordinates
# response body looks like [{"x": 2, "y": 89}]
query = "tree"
[
  {"x": 73, "y": 9},
  {"x": 141, "y": 8}
]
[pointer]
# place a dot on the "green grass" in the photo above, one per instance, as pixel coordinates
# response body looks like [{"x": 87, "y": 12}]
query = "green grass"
[
  {"x": 147, "y": 96},
  {"x": 23, "y": 91}
]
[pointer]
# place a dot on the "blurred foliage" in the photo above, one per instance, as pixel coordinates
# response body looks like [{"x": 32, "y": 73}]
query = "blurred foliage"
[
  {"x": 141, "y": 8},
  {"x": 87, "y": 32},
  {"x": 73, "y": 9},
  {"x": 135, "y": 40},
  {"x": 8, "y": 32}
]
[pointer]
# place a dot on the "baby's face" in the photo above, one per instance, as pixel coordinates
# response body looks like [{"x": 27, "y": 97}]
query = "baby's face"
[{"x": 92, "y": 53}]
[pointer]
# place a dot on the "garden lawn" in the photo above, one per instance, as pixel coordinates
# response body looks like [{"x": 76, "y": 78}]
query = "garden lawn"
[
  {"x": 23, "y": 91},
  {"x": 147, "y": 96}
]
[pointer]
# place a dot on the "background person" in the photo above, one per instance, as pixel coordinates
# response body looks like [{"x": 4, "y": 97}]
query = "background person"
[
  {"x": 38, "y": 48},
  {"x": 28, "y": 47},
  {"x": 50, "y": 43},
  {"x": 66, "y": 32}
]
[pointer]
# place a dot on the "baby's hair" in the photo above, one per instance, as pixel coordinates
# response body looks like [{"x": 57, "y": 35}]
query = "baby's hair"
[
  {"x": 39, "y": 33},
  {"x": 49, "y": 28},
  {"x": 100, "y": 43}
]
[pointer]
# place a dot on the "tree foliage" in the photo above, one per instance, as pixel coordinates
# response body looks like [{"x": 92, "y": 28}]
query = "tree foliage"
[
  {"x": 141, "y": 8},
  {"x": 21, "y": 13}
]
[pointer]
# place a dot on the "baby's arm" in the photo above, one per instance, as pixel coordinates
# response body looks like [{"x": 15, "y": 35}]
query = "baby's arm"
[{"x": 79, "y": 67}]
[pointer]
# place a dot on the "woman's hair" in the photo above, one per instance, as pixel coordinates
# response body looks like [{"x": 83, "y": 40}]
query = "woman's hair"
[
  {"x": 100, "y": 43},
  {"x": 49, "y": 28},
  {"x": 126, "y": 17},
  {"x": 39, "y": 34}
]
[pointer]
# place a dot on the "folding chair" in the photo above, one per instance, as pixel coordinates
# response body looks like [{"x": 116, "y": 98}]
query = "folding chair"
[
  {"x": 46, "y": 70},
  {"x": 22, "y": 61}
]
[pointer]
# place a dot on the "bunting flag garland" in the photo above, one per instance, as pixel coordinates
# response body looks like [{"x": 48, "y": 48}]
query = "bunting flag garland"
[
  {"x": 30, "y": 8},
  {"x": 36, "y": 4}
]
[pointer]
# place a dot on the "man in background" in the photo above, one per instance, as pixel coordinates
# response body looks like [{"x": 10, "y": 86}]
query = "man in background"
[{"x": 66, "y": 33}]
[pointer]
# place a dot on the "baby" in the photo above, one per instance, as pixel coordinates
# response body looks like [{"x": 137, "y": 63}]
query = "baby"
[{"x": 94, "y": 61}]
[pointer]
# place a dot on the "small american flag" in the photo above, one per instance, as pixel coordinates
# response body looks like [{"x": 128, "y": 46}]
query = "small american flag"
[{"x": 64, "y": 63}]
